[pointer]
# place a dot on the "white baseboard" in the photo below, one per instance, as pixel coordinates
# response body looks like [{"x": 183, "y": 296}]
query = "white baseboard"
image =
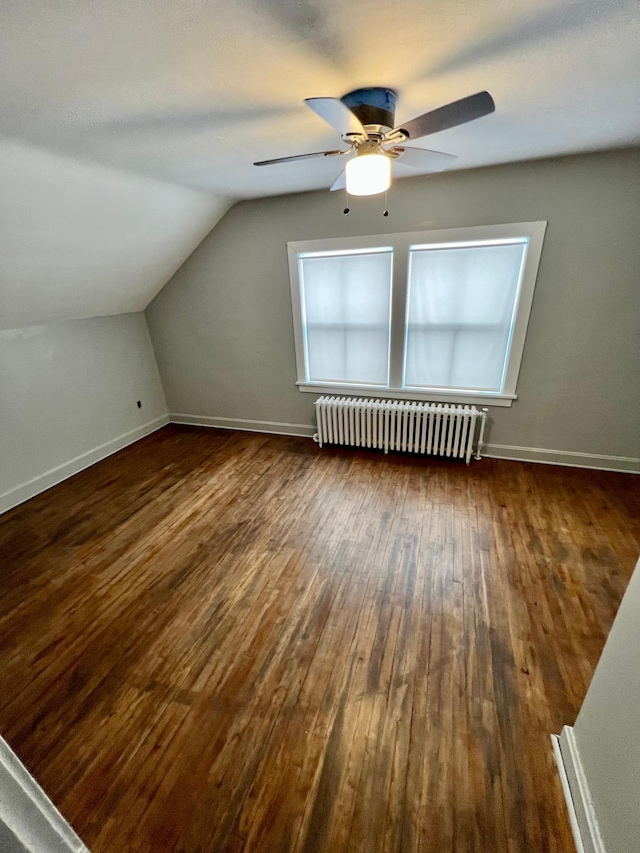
[
  {"x": 29, "y": 817},
  {"x": 494, "y": 451},
  {"x": 582, "y": 815},
  {"x": 599, "y": 462},
  {"x": 56, "y": 475},
  {"x": 273, "y": 427}
]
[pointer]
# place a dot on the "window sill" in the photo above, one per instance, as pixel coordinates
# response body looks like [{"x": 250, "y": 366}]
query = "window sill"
[{"x": 435, "y": 396}]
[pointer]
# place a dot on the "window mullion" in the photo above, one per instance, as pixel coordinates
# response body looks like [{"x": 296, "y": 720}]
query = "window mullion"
[{"x": 398, "y": 311}]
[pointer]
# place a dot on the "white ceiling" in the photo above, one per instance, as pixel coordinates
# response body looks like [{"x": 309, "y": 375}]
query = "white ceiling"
[
  {"x": 194, "y": 91},
  {"x": 189, "y": 92},
  {"x": 81, "y": 240}
]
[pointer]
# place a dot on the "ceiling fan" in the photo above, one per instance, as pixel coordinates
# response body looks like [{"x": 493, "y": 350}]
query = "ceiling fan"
[{"x": 365, "y": 119}]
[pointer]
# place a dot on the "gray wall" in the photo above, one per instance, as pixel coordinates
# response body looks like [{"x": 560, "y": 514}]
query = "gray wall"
[
  {"x": 68, "y": 388},
  {"x": 222, "y": 328},
  {"x": 607, "y": 730}
]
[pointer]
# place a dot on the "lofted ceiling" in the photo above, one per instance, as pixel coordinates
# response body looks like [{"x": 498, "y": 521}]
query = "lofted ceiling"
[
  {"x": 81, "y": 240},
  {"x": 144, "y": 117}
]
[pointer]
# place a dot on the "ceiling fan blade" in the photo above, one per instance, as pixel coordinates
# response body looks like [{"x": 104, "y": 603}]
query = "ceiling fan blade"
[
  {"x": 422, "y": 158},
  {"x": 298, "y": 157},
  {"x": 340, "y": 182},
  {"x": 335, "y": 113},
  {"x": 458, "y": 112}
]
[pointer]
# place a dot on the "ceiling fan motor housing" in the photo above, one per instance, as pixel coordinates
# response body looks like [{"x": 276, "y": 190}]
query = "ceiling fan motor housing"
[{"x": 374, "y": 106}]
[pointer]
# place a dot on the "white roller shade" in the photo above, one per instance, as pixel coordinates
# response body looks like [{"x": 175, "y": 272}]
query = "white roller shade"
[
  {"x": 460, "y": 312},
  {"x": 346, "y": 300}
]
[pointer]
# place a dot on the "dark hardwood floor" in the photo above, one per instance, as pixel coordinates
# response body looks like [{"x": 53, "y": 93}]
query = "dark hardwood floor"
[{"x": 217, "y": 641}]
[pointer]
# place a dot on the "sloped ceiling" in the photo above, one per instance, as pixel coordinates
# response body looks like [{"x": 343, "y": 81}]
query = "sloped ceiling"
[
  {"x": 81, "y": 240},
  {"x": 95, "y": 97}
]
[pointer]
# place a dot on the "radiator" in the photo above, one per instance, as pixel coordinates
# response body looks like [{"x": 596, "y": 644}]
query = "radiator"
[{"x": 432, "y": 428}]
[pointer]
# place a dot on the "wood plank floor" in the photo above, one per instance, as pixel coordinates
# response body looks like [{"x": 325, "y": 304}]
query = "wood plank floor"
[{"x": 218, "y": 641}]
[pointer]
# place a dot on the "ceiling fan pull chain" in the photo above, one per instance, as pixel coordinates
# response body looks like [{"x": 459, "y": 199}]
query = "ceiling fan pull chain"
[{"x": 346, "y": 210}]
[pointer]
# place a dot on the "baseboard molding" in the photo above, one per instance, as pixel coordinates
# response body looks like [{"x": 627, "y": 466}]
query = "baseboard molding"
[
  {"x": 595, "y": 461},
  {"x": 273, "y": 427},
  {"x": 576, "y": 791},
  {"x": 598, "y": 462},
  {"x": 31, "y": 821},
  {"x": 56, "y": 475}
]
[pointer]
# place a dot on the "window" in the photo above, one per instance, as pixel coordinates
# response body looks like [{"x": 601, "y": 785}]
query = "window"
[
  {"x": 429, "y": 315},
  {"x": 459, "y": 314},
  {"x": 347, "y": 309}
]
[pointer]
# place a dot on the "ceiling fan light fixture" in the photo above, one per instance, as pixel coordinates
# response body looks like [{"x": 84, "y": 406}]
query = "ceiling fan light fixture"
[
  {"x": 365, "y": 119},
  {"x": 368, "y": 174}
]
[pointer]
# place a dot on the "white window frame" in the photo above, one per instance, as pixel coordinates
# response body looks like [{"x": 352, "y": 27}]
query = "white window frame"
[{"x": 401, "y": 243}]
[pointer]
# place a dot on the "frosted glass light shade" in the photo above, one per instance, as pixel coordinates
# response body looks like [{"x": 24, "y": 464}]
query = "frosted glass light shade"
[{"x": 368, "y": 174}]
